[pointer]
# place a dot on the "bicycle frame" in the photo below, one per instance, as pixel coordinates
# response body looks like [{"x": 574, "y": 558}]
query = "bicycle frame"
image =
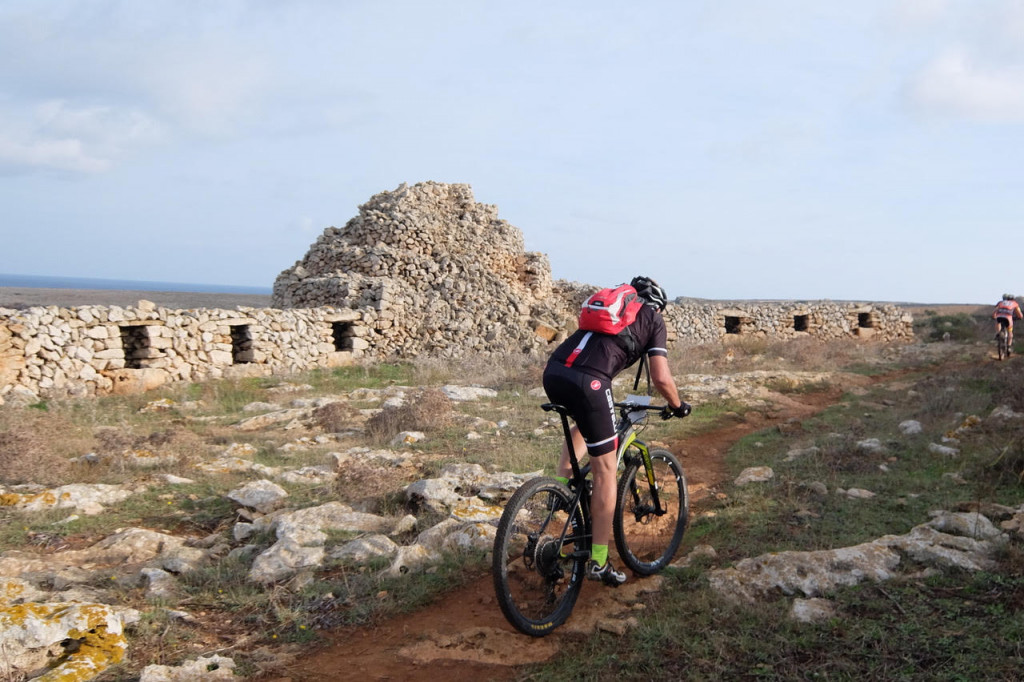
[
  {"x": 1003, "y": 341},
  {"x": 631, "y": 412},
  {"x": 628, "y": 438}
]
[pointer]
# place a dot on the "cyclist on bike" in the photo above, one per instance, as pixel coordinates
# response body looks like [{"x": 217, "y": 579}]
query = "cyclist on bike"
[
  {"x": 584, "y": 386},
  {"x": 1006, "y": 311}
]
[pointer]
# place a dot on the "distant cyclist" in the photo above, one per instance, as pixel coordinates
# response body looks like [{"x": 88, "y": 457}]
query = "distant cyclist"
[
  {"x": 1006, "y": 311},
  {"x": 579, "y": 376}
]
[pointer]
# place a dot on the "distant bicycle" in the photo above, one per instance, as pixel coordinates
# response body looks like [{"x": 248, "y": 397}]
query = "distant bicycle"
[
  {"x": 1003, "y": 340},
  {"x": 1007, "y": 310},
  {"x": 544, "y": 536}
]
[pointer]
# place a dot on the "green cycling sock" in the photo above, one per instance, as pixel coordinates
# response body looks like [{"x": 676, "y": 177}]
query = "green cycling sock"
[{"x": 599, "y": 553}]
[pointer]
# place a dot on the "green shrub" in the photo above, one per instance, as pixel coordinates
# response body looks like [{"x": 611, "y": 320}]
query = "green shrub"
[{"x": 959, "y": 327}]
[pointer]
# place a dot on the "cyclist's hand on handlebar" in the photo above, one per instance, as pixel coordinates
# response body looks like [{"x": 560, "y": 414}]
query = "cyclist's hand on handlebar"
[{"x": 683, "y": 410}]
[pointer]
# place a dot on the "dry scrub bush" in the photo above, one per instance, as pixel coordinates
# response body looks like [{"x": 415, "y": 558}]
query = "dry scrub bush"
[
  {"x": 506, "y": 371},
  {"x": 335, "y": 417},
  {"x": 813, "y": 354},
  {"x": 113, "y": 441},
  {"x": 423, "y": 410},
  {"x": 26, "y": 457},
  {"x": 359, "y": 481}
]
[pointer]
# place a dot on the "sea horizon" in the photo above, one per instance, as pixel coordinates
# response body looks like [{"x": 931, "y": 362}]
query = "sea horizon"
[{"x": 55, "y": 282}]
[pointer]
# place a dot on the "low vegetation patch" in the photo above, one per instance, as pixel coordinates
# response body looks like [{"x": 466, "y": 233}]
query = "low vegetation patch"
[{"x": 427, "y": 410}]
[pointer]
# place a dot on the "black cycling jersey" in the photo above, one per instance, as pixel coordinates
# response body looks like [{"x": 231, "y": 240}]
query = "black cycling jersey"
[
  {"x": 602, "y": 355},
  {"x": 579, "y": 375}
]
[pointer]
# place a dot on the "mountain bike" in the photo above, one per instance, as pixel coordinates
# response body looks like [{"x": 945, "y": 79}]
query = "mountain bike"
[
  {"x": 544, "y": 536},
  {"x": 1003, "y": 342}
]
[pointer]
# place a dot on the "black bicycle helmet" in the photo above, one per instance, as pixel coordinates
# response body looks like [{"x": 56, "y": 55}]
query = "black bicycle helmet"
[
  {"x": 650, "y": 291},
  {"x": 1006, "y": 297}
]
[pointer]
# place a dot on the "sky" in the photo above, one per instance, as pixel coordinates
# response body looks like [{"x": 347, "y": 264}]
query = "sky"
[{"x": 730, "y": 149}]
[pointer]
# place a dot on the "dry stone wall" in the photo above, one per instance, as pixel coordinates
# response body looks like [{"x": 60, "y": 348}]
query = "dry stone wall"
[
  {"x": 109, "y": 349},
  {"x": 695, "y": 321},
  {"x": 423, "y": 269},
  {"x": 710, "y": 322}
]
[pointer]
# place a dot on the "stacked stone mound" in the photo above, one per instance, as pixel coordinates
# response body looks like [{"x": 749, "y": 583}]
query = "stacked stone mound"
[{"x": 432, "y": 272}]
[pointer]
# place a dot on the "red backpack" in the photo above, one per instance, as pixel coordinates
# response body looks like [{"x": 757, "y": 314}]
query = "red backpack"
[{"x": 610, "y": 311}]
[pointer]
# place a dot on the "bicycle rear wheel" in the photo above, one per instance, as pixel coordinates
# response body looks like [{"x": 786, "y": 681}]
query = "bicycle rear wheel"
[
  {"x": 1004, "y": 344},
  {"x": 646, "y": 539},
  {"x": 536, "y": 587}
]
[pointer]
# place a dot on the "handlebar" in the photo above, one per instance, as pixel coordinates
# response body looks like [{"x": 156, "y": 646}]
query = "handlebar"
[
  {"x": 630, "y": 406},
  {"x": 634, "y": 409}
]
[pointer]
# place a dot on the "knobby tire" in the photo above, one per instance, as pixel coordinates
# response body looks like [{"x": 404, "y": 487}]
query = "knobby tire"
[
  {"x": 647, "y": 541},
  {"x": 536, "y": 587},
  {"x": 1003, "y": 344}
]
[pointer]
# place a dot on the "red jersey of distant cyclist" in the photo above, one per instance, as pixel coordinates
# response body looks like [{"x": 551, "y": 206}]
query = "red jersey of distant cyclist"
[
  {"x": 1008, "y": 309},
  {"x": 602, "y": 355}
]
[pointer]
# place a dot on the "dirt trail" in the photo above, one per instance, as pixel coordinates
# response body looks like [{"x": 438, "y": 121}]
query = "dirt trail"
[{"x": 463, "y": 635}]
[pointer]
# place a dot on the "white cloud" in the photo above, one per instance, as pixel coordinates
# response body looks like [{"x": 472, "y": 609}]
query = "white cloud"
[
  {"x": 60, "y": 136},
  {"x": 954, "y": 83},
  {"x": 65, "y": 155}
]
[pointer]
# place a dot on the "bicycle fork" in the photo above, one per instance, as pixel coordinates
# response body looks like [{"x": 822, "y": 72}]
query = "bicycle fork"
[{"x": 645, "y": 457}]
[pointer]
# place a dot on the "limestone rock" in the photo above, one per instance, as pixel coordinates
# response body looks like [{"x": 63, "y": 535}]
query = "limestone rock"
[
  {"x": 87, "y": 498},
  {"x": 754, "y": 475},
  {"x": 910, "y": 427},
  {"x": 204, "y": 669},
  {"x": 31, "y": 635},
  {"x": 264, "y": 496},
  {"x": 363, "y": 549},
  {"x": 812, "y": 610}
]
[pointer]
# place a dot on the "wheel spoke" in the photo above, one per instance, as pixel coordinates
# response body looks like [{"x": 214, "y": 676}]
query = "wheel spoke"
[{"x": 536, "y": 586}]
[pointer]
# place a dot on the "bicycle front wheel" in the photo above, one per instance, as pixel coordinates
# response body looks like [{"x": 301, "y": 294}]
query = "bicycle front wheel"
[
  {"x": 535, "y": 584},
  {"x": 647, "y": 535}
]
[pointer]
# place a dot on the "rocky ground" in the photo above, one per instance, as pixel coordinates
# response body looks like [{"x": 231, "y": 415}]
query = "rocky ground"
[
  {"x": 462, "y": 634},
  {"x": 463, "y": 631}
]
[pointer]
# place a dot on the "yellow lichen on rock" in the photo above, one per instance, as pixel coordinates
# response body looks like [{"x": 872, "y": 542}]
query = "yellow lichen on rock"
[
  {"x": 31, "y": 633},
  {"x": 11, "y": 499},
  {"x": 21, "y": 499},
  {"x": 10, "y": 590}
]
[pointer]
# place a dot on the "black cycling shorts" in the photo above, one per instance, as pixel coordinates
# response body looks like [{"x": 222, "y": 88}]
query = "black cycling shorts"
[
  {"x": 1003, "y": 321},
  {"x": 589, "y": 401}
]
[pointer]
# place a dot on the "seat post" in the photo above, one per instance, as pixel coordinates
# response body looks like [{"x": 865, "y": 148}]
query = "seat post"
[
  {"x": 563, "y": 413},
  {"x": 569, "y": 444}
]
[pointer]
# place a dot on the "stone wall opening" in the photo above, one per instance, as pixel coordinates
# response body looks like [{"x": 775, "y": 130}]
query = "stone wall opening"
[
  {"x": 733, "y": 325},
  {"x": 241, "y": 344},
  {"x": 342, "y": 334},
  {"x": 864, "y": 321},
  {"x": 801, "y": 323},
  {"x": 135, "y": 344}
]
